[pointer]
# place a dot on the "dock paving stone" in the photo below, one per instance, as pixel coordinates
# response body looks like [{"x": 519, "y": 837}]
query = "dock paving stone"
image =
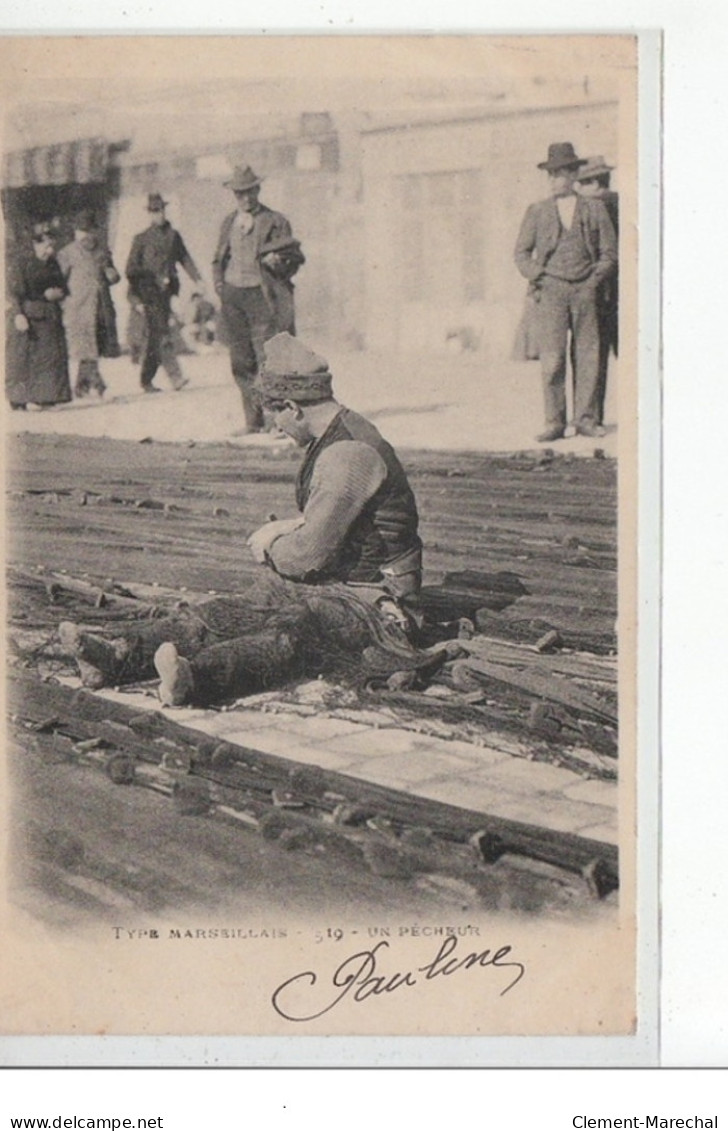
[
  {"x": 326, "y": 759},
  {"x": 519, "y": 774},
  {"x": 477, "y": 794},
  {"x": 411, "y": 768},
  {"x": 315, "y": 728},
  {"x": 287, "y": 745},
  {"x": 471, "y": 752},
  {"x": 366, "y": 717},
  {"x": 439, "y": 769},
  {"x": 228, "y": 722},
  {"x": 595, "y": 792},
  {"x": 554, "y": 814},
  {"x": 185, "y": 716},
  {"x": 370, "y": 742},
  {"x": 467, "y": 791},
  {"x": 136, "y": 699},
  {"x": 376, "y": 743}
]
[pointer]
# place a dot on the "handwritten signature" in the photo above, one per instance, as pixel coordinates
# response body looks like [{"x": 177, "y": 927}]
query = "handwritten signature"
[{"x": 359, "y": 977}]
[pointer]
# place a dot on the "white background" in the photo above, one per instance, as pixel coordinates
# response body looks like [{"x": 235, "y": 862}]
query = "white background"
[{"x": 694, "y": 991}]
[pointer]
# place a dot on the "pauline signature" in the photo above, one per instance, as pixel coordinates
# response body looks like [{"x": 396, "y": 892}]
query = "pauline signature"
[{"x": 360, "y": 977}]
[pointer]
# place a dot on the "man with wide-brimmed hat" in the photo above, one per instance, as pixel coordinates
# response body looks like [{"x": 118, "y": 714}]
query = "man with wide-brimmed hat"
[
  {"x": 594, "y": 181},
  {"x": 89, "y": 317},
  {"x": 566, "y": 248},
  {"x": 253, "y": 268},
  {"x": 153, "y": 282},
  {"x": 334, "y": 581}
]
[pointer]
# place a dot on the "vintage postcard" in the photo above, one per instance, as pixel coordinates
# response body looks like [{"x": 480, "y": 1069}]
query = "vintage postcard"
[{"x": 321, "y": 476}]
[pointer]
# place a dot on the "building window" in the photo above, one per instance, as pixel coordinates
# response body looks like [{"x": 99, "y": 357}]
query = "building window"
[{"x": 441, "y": 243}]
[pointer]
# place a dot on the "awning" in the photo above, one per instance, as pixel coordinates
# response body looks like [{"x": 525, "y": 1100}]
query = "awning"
[{"x": 70, "y": 162}]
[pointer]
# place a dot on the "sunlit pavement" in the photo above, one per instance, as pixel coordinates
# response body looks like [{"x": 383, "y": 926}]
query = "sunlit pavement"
[{"x": 416, "y": 402}]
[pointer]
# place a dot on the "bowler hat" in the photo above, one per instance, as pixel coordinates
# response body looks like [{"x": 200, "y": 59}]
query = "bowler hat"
[
  {"x": 561, "y": 155},
  {"x": 593, "y": 167},
  {"x": 293, "y": 372},
  {"x": 243, "y": 179},
  {"x": 155, "y": 202}
]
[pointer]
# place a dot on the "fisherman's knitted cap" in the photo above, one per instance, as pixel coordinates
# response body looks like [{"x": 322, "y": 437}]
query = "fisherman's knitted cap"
[{"x": 293, "y": 372}]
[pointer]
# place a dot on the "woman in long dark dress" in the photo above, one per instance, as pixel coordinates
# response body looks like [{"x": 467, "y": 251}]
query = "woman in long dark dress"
[{"x": 37, "y": 361}]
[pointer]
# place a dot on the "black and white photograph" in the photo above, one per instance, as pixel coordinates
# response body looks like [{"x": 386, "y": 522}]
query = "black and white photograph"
[{"x": 321, "y": 574}]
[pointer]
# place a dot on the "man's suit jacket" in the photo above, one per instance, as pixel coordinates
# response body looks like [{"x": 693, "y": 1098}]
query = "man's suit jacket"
[
  {"x": 540, "y": 232},
  {"x": 152, "y": 265},
  {"x": 272, "y": 233}
]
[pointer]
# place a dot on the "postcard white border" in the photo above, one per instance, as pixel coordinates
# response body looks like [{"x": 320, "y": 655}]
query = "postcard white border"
[
  {"x": 460, "y": 1051},
  {"x": 86, "y": 18}
]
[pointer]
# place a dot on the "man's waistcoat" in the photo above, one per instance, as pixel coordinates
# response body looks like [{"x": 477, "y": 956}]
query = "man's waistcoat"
[{"x": 387, "y": 526}]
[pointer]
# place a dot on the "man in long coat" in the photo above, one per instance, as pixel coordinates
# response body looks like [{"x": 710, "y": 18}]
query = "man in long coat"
[
  {"x": 89, "y": 318},
  {"x": 255, "y": 261},
  {"x": 566, "y": 248},
  {"x": 153, "y": 282},
  {"x": 594, "y": 181}
]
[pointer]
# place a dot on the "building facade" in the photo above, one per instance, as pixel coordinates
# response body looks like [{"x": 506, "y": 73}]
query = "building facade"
[
  {"x": 444, "y": 202},
  {"x": 408, "y": 222}
]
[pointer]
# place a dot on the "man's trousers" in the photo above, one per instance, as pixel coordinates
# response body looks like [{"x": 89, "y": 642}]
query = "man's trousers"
[
  {"x": 279, "y": 631},
  {"x": 248, "y": 323},
  {"x": 158, "y": 348},
  {"x": 568, "y": 325}
]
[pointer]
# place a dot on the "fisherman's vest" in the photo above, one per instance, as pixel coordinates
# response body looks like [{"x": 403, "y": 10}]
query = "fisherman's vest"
[{"x": 387, "y": 527}]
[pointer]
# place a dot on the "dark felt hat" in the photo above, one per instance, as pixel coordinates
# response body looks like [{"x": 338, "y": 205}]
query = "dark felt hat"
[
  {"x": 293, "y": 372},
  {"x": 155, "y": 203},
  {"x": 561, "y": 155},
  {"x": 243, "y": 179}
]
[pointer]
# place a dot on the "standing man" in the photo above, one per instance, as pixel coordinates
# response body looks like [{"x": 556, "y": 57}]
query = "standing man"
[
  {"x": 593, "y": 182},
  {"x": 153, "y": 281},
  {"x": 566, "y": 248},
  {"x": 253, "y": 268},
  {"x": 89, "y": 317}
]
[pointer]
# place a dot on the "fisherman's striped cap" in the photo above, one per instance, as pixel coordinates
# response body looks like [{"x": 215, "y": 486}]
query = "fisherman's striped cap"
[{"x": 293, "y": 372}]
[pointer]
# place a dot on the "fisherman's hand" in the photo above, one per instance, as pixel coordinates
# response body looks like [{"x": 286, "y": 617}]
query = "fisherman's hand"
[
  {"x": 21, "y": 323},
  {"x": 264, "y": 537},
  {"x": 53, "y": 294}
]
